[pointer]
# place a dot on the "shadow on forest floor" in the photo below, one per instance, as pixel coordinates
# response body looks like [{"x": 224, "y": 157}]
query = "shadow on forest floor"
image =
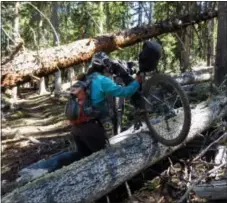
[{"x": 37, "y": 130}]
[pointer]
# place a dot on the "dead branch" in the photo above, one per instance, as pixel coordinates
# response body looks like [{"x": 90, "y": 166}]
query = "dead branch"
[
  {"x": 197, "y": 181},
  {"x": 16, "y": 49},
  {"x": 208, "y": 147}
]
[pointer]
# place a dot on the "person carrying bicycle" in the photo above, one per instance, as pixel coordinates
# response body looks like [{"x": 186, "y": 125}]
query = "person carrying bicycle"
[{"x": 90, "y": 135}]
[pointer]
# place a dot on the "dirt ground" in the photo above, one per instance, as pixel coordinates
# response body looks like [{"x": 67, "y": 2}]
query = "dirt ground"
[{"x": 35, "y": 131}]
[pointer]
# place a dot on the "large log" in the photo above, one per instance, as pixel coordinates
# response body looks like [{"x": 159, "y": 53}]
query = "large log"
[
  {"x": 187, "y": 78},
  {"x": 23, "y": 66},
  {"x": 194, "y": 77},
  {"x": 130, "y": 153},
  {"x": 215, "y": 190}
]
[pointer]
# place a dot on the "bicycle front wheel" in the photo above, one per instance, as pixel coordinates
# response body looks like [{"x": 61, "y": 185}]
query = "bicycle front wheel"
[{"x": 168, "y": 114}]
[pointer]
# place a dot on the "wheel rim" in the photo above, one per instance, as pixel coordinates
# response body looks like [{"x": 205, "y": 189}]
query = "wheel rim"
[{"x": 165, "y": 110}]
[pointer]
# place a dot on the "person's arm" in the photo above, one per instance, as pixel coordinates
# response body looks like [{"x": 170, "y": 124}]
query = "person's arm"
[{"x": 111, "y": 88}]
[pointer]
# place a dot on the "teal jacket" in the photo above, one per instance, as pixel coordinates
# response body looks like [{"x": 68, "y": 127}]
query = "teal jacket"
[{"x": 102, "y": 86}]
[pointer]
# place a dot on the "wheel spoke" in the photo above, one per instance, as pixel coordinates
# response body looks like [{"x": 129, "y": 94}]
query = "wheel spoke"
[{"x": 161, "y": 103}]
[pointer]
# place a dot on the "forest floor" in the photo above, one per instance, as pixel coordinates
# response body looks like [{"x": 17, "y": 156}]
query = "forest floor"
[{"x": 37, "y": 130}]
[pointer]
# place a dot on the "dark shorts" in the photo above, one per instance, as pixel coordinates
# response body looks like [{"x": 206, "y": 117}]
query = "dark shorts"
[{"x": 89, "y": 137}]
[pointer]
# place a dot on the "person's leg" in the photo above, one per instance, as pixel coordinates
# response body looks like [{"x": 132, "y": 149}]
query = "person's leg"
[
  {"x": 94, "y": 136},
  {"x": 78, "y": 133},
  {"x": 82, "y": 147}
]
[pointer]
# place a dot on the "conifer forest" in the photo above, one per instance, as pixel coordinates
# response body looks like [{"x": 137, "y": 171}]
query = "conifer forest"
[{"x": 47, "y": 46}]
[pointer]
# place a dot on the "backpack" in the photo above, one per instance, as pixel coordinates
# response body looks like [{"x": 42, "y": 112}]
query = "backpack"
[
  {"x": 149, "y": 56},
  {"x": 85, "y": 111}
]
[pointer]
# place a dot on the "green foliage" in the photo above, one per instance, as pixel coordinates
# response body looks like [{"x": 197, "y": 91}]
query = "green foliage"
[{"x": 78, "y": 20}]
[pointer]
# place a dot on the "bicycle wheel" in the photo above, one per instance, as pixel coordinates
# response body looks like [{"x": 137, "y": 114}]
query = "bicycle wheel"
[{"x": 168, "y": 114}]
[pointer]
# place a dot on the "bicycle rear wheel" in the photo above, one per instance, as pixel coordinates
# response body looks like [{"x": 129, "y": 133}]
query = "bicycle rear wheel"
[{"x": 168, "y": 114}]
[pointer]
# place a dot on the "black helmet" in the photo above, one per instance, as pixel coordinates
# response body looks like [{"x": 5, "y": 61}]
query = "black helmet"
[{"x": 100, "y": 61}]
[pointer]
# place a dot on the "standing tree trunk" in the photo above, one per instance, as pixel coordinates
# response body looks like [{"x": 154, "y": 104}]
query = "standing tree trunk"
[
  {"x": 150, "y": 12},
  {"x": 183, "y": 43},
  {"x": 16, "y": 28},
  {"x": 55, "y": 22},
  {"x": 57, "y": 83},
  {"x": 221, "y": 52},
  {"x": 16, "y": 36},
  {"x": 210, "y": 42},
  {"x": 101, "y": 18},
  {"x": 107, "y": 11},
  {"x": 140, "y": 14},
  {"x": 41, "y": 83},
  {"x": 210, "y": 36},
  {"x": 42, "y": 86},
  {"x": 186, "y": 52},
  {"x": 71, "y": 75}
]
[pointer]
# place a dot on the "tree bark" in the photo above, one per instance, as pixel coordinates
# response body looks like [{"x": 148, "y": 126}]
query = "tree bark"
[
  {"x": 57, "y": 83},
  {"x": 16, "y": 27},
  {"x": 49, "y": 60},
  {"x": 95, "y": 176},
  {"x": 42, "y": 86},
  {"x": 210, "y": 42},
  {"x": 16, "y": 36},
  {"x": 221, "y": 52},
  {"x": 215, "y": 190},
  {"x": 71, "y": 75},
  {"x": 56, "y": 42},
  {"x": 194, "y": 77}
]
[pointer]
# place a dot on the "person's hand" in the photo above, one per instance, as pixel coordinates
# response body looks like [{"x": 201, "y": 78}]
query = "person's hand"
[{"x": 139, "y": 78}]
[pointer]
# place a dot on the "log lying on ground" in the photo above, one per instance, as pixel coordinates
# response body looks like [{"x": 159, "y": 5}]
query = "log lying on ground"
[
  {"x": 194, "y": 77},
  {"x": 22, "y": 67},
  {"x": 215, "y": 190},
  {"x": 190, "y": 81},
  {"x": 204, "y": 74},
  {"x": 191, "y": 77},
  {"x": 130, "y": 153},
  {"x": 199, "y": 92}
]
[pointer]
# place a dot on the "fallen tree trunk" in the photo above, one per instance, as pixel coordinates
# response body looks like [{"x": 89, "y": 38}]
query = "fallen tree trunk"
[
  {"x": 195, "y": 77},
  {"x": 192, "y": 77},
  {"x": 131, "y": 152},
  {"x": 199, "y": 92},
  {"x": 24, "y": 66},
  {"x": 215, "y": 190}
]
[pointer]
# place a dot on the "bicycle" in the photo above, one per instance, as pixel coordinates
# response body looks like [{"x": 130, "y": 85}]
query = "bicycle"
[{"x": 161, "y": 103}]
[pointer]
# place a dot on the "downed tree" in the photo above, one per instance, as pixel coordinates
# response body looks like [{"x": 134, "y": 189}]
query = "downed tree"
[
  {"x": 190, "y": 77},
  {"x": 95, "y": 176},
  {"x": 195, "y": 77},
  {"x": 24, "y": 66},
  {"x": 215, "y": 190}
]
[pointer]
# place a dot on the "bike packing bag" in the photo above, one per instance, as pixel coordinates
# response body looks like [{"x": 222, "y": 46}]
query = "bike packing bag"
[{"x": 149, "y": 56}]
